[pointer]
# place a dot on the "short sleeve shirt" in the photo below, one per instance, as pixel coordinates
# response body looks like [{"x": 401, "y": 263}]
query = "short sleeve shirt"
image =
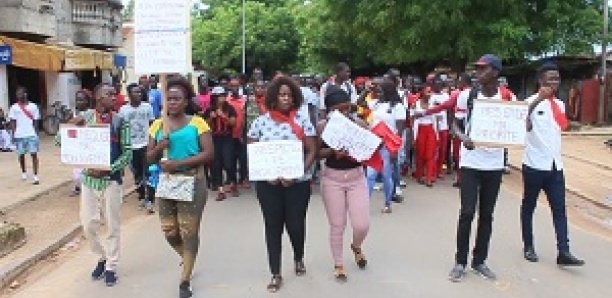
[
  {"x": 139, "y": 118},
  {"x": 25, "y": 124},
  {"x": 185, "y": 141},
  {"x": 383, "y": 111},
  {"x": 265, "y": 129}
]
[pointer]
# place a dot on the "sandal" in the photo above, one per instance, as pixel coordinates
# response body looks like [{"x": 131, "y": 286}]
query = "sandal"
[
  {"x": 340, "y": 273},
  {"x": 221, "y": 196},
  {"x": 300, "y": 269},
  {"x": 359, "y": 257},
  {"x": 275, "y": 283}
]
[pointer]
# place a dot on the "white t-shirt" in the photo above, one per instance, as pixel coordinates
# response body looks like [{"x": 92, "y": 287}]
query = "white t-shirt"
[
  {"x": 309, "y": 96},
  {"x": 543, "y": 142},
  {"x": 347, "y": 86},
  {"x": 382, "y": 111},
  {"x": 425, "y": 120},
  {"x": 25, "y": 125},
  {"x": 139, "y": 118},
  {"x": 481, "y": 158},
  {"x": 442, "y": 117}
]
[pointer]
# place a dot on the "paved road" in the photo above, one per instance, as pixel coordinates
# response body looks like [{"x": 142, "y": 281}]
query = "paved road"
[{"x": 410, "y": 253}]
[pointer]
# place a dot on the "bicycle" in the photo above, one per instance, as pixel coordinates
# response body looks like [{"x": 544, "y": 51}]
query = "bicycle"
[{"x": 58, "y": 113}]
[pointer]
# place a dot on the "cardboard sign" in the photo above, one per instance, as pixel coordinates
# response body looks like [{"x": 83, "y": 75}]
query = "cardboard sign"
[
  {"x": 275, "y": 159},
  {"x": 498, "y": 123},
  {"x": 340, "y": 133},
  {"x": 87, "y": 147},
  {"x": 162, "y": 36}
]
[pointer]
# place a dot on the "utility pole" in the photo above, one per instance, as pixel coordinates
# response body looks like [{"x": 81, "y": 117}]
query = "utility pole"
[
  {"x": 604, "y": 71},
  {"x": 243, "y": 37}
]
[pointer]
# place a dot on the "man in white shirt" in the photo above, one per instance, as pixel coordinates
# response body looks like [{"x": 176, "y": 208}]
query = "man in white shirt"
[
  {"x": 481, "y": 174},
  {"x": 543, "y": 166},
  {"x": 24, "y": 117},
  {"x": 342, "y": 78},
  {"x": 140, "y": 115}
]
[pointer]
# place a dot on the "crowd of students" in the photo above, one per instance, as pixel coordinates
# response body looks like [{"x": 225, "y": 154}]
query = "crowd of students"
[{"x": 425, "y": 127}]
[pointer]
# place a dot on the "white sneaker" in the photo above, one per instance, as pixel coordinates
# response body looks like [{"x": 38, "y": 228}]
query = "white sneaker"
[
  {"x": 378, "y": 187},
  {"x": 24, "y": 176},
  {"x": 402, "y": 183},
  {"x": 35, "y": 180},
  {"x": 398, "y": 191}
]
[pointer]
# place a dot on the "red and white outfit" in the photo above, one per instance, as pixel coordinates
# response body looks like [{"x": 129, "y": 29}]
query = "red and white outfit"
[
  {"x": 442, "y": 121},
  {"x": 426, "y": 136}
]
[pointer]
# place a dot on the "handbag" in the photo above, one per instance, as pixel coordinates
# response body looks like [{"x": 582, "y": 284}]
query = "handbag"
[{"x": 175, "y": 187}]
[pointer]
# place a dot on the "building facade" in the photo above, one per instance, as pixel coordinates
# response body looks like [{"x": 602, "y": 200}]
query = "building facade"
[{"x": 58, "y": 47}]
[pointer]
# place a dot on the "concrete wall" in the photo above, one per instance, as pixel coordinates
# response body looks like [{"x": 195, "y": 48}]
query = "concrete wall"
[
  {"x": 4, "y": 93},
  {"x": 28, "y": 16},
  {"x": 62, "y": 87}
]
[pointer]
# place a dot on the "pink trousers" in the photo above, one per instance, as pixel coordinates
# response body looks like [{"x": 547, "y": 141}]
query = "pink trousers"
[{"x": 345, "y": 192}]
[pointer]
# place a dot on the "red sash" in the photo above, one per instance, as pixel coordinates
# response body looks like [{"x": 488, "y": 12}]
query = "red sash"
[
  {"x": 558, "y": 114},
  {"x": 289, "y": 119},
  {"x": 24, "y": 108}
]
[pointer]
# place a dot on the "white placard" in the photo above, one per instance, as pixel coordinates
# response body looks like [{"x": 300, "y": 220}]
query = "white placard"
[
  {"x": 162, "y": 36},
  {"x": 340, "y": 133},
  {"x": 275, "y": 159},
  {"x": 498, "y": 123},
  {"x": 87, "y": 147}
]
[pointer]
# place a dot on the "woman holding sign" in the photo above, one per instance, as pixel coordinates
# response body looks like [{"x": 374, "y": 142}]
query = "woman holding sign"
[
  {"x": 344, "y": 188},
  {"x": 189, "y": 147},
  {"x": 284, "y": 202}
]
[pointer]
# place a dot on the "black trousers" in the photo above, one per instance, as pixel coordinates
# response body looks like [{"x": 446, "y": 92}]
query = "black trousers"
[
  {"x": 478, "y": 188},
  {"x": 553, "y": 184},
  {"x": 284, "y": 207},
  {"x": 241, "y": 158},
  {"x": 139, "y": 169},
  {"x": 224, "y": 160}
]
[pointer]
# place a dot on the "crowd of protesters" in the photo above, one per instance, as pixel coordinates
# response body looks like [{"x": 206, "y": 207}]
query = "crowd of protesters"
[{"x": 425, "y": 130}]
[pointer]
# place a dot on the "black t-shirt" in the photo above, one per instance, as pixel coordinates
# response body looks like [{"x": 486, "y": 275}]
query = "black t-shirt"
[
  {"x": 219, "y": 126},
  {"x": 344, "y": 163}
]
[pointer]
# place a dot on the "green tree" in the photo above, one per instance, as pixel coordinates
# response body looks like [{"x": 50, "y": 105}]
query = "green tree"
[
  {"x": 128, "y": 11},
  {"x": 399, "y": 32},
  {"x": 272, "y": 41}
]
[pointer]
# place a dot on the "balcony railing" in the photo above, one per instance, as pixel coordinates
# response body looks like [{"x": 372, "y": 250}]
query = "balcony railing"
[{"x": 99, "y": 13}]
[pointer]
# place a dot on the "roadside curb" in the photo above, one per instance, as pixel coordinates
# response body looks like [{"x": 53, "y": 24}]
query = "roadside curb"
[
  {"x": 20, "y": 266},
  {"x": 575, "y": 192},
  {"x": 593, "y": 163},
  {"x": 33, "y": 197}
]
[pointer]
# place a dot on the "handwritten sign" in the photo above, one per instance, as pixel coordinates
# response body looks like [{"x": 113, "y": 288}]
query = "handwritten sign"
[
  {"x": 498, "y": 123},
  {"x": 162, "y": 36},
  {"x": 275, "y": 159},
  {"x": 340, "y": 133},
  {"x": 87, "y": 147},
  {"x": 6, "y": 55}
]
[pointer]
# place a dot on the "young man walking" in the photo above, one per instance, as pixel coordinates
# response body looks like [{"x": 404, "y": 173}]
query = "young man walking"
[
  {"x": 543, "y": 165},
  {"x": 481, "y": 174},
  {"x": 139, "y": 114},
  {"x": 24, "y": 117},
  {"x": 104, "y": 188}
]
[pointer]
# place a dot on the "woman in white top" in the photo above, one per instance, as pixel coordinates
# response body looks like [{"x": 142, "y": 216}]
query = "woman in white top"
[
  {"x": 390, "y": 110},
  {"x": 426, "y": 136}
]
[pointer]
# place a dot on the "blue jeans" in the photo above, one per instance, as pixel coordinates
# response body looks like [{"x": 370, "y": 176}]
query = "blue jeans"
[
  {"x": 387, "y": 176},
  {"x": 553, "y": 184}
]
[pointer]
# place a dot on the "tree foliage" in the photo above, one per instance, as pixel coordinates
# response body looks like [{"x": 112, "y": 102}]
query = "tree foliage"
[
  {"x": 272, "y": 40},
  {"x": 313, "y": 35},
  {"x": 128, "y": 10}
]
